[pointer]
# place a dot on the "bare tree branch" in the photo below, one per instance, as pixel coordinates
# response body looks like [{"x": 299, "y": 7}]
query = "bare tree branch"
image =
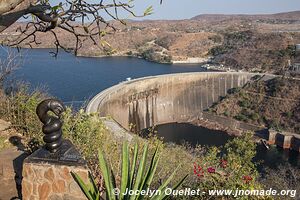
[
  {"x": 8, "y": 65},
  {"x": 82, "y": 19}
]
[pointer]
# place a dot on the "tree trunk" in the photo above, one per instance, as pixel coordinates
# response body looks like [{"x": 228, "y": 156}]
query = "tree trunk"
[
  {"x": 8, "y": 5},
  {"x": 12, "y": 10}
]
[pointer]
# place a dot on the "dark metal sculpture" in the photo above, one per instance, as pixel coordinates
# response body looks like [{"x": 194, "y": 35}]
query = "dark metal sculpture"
[{"x": 52, "y": 123}]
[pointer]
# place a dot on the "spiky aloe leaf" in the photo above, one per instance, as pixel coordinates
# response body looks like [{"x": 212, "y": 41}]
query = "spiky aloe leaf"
[
  {"x": 151, "y": 171},
  {"x": 163, "y": 187},
  {"x": 82, "y": 186},
  {"x": 133, "y": 165},
  {"x": 94, "y": 188},
  {"x": 177, "y": 185},
  {"x": 149, "y": 175},
  {"x": 91, "y": 190},
  {"x": 140, "y": 172},
  {"x": 125, "y": 170},
  {"x": 113, "y": 179},
  {"x": 98, "y": 195},
  {"x": 106, "y": 173}
]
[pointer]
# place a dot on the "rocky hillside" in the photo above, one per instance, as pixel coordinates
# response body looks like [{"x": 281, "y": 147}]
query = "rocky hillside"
[
  {"x": 250, "y": 42},
  {"x": 274, "y": 103},
  {"x": 256, "y": 51},
  {"x": 278, "y": 16}
]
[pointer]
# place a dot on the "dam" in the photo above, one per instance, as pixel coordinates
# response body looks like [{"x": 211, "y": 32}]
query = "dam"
[{"x": 145, "y": 102}]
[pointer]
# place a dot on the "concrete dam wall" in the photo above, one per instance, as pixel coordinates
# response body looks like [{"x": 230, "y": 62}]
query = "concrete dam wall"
[{"x": 144, "y": 102}]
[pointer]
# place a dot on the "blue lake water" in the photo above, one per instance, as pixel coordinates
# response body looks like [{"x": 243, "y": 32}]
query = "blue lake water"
[{"x": 71, "y": 78}]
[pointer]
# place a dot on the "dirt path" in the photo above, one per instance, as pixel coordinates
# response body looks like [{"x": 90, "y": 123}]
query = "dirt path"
[{"x": 11, "y": 161}]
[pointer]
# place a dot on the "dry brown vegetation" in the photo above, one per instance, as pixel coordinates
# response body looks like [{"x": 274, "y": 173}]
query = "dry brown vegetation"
[
  {"x": 274, "y": 103},
  {"x": 255, "y": 51},
  {"x": 250, "y": 42}
]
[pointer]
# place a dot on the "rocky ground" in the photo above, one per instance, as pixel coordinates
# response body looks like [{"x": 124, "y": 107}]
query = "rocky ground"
[{"x": 11, "y": 159}]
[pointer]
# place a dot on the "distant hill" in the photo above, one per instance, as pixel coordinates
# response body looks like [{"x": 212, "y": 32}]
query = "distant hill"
[
  {"x": 257, "y": 43},
  {"x": 295, "y": 15}
]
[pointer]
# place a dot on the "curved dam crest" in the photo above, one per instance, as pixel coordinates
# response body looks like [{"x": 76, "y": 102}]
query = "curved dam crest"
[{"x": 145, "y": 102}]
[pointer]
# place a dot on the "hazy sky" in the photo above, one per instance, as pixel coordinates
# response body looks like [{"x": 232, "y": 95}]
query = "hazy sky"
[{"x": 184, "y": 9}]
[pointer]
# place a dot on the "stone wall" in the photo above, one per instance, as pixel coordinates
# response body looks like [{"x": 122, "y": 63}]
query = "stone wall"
[{"x": 43, "y": 181}]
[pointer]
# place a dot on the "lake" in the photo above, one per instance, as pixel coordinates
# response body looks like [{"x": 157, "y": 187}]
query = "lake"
[{"x": 76, "y": 79}]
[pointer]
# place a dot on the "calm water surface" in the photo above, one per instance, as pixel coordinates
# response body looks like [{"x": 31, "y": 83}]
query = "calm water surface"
[
  {"x": 73, "y": 78},
  {"x": 180, "y": 133}
]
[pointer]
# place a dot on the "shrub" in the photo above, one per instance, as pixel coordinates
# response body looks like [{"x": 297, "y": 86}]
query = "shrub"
[
  {"x": 244, "y": 103},
  {"x": 234, "y": 90},
  {"x": 19, "y": 108},
  {"x": 218, "y": 50},
  {"x": 129, "y": 53},
  {"x": 285, "y": 176},
  {"x": 166, "y": 41},
  {"x": 241, "y": 117},
  {"x": 155, "y": 55},
  {"x": 289, "y": 114},
  {"x": 216, "y": 38},
  {"x": 274, "y": 124},
  {"x": 230, "y": 167},
  {"x": 4, "y": 143},
  {"x": 134, "y": 177},
  {"x": 254, "y": 116},
  {"x": 227, "y": 113}
]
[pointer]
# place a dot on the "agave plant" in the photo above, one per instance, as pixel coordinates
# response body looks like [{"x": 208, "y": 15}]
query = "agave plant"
[{"x": 134, "y": 177}]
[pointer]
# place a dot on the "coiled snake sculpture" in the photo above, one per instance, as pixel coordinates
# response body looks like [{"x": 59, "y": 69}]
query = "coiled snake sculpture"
[{"x": 52, "y": 124}]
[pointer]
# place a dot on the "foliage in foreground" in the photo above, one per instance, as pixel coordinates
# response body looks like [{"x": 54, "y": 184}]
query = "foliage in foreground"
[
  {"x": 229, "y": 167},
  {"x": 285, "y": 176},
  {"x": 3, "y": 143},
  {"x": 131, "y": 179},
  {"x": 19, "y": 107}
]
